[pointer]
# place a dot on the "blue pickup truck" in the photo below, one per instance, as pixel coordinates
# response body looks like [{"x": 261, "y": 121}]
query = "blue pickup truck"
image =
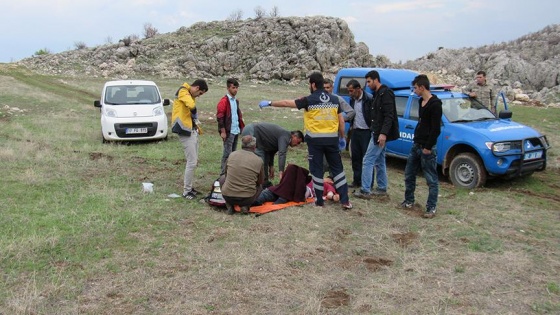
[{"x": 474, "y": 144}]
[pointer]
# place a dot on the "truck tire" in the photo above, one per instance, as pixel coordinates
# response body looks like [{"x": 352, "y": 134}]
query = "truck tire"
[{"x": 467, "y": 171}]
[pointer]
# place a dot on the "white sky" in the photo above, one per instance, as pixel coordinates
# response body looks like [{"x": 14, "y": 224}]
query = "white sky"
[{"x": 398, "y": 29}]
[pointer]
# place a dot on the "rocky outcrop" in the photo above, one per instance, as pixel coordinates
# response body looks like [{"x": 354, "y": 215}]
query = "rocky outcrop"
[
  {"x": 266, "y": 48},
  {"x": 530, "y": 64},
  {"x": 290, "y": 48}
]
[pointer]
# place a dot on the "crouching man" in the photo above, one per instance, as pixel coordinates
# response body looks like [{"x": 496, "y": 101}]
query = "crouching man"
[{"x": 243, "y": 178}]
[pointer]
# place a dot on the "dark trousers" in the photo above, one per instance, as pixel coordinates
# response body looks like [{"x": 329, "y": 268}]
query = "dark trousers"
[
  {"x": 240, "y": 201},
  {"x": 331, "y": 152},
  {"x": 358, "y": 146}
]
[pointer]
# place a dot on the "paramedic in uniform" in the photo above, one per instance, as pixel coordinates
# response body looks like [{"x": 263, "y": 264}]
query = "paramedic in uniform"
[{"x": 324, "y": 129}]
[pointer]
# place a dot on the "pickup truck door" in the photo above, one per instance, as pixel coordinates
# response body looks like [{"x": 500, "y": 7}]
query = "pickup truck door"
[{"x": 407, "y": 111}]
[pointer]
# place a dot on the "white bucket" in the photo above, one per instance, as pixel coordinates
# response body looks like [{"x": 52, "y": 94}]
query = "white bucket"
[{"x": 148, "y": 187}]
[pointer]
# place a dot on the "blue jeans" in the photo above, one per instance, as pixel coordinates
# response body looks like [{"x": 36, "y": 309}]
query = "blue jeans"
[
  {"x": 374, "y": 163},
  {"x": 417, "y": 159}
]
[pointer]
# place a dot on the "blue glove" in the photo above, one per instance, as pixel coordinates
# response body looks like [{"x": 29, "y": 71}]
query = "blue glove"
[
  {"x": 341, "y": 144},
  {"x": 264, "y": 104}
]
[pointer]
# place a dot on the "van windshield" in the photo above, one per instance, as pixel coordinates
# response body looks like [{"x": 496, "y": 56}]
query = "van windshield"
[{"x": 131, "y": 94}]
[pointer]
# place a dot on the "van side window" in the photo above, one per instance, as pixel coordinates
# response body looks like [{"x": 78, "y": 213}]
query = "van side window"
[
  {"x": 414, "y": 108},
  {"x": 343, "y": 90},
  {"x": 401, "y": 105}
]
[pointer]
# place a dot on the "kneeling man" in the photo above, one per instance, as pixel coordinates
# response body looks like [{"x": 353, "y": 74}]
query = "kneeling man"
[{"x": 244, "y": 175}]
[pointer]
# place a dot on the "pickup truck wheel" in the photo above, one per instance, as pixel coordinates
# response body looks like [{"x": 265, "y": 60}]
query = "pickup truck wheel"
[{"x": 467, "y": 171}]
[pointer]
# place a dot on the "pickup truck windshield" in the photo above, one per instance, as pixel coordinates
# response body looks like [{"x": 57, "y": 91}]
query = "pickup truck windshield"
[{"x": 465, "y": 110}]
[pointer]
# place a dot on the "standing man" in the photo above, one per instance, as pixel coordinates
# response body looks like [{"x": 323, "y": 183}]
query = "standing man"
[
  {"x": 184, "y": 123},
  {"x": 347, "y": 110},
  {"x": 272, "y": 138},
  {"x": 360, "y": 129},
  {"x": 230, "y": 120},
  {"x": 384, "y": 127},
  {"x": 423, "y": 151},
  {"x": 324, "y": 125},
  {"x": 244, "y": 175},
  {"x": 482, "y": 91}
]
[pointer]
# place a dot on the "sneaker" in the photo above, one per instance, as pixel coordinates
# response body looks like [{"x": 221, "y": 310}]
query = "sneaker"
[
  {"x": 362, "y": 194},
  {"x": 379, "y": 193},
  {"x": 229, "y": 208},
  {"x": 245, "y": 209},
  {"x": 347, "y": 206},
  {"x": 407, "y": 205},
  {"x": 354, "y": 185},
  {"x": 190, "y": 195},
  {"x": 195, "y": 192},
  {"x": 430, "y": 212}
]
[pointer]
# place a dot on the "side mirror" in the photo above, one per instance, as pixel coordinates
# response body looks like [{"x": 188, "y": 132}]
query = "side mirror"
[
  {"x": 166, "y": 102},
  {"x": 97, "y": 103},
  {"x": 505, "y": 114}
]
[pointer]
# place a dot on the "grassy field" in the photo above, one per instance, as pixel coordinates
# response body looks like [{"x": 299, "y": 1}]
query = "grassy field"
[{"x": 78, "y": 236}]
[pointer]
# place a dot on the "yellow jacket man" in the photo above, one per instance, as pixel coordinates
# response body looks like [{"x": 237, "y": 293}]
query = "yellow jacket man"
[{"x": 183, "y": 124}]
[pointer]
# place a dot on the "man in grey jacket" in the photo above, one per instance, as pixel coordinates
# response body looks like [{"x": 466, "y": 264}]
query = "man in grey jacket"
[
  {"x": 272, "y": 138},
  {"x": 347, "y": 111}
]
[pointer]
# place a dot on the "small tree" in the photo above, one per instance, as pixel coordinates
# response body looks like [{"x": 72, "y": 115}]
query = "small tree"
[
  {"x": 149, "y": 30},
  {"x": 235, "y": 16},
  {"x": 274, "y": 12},
  {"x": 80, "y": 45},
  {"x": 43, "y": 51},
  {"x": 259, "y": 12}
]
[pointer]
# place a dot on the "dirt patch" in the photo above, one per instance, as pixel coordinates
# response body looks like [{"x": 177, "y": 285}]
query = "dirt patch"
[
  {"x": 375, "y": 263},
  {"x": 341, "y": 234},
  {"x": 540, "y": 195},
  {"x": 98, "y": 155},
  {"x": 335, "y": 298},
  {"x": 265, "y": 228},
  {"x": 139, "y": 160},
  {"x": 405, "y": 239},
  {"x": 415, "y": 211}
]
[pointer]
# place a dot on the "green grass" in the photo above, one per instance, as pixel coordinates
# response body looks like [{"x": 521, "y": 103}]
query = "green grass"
[{"x": 80, "y": 236}]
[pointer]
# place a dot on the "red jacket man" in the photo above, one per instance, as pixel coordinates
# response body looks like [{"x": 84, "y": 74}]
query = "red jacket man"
[{"x": 230, "y": 120}]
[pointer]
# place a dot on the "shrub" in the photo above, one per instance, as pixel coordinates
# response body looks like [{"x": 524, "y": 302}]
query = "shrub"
[
  {"x": 80, "y": 45},
  {"x": 43, "y": 51},
  {"x": 129, "y": 39},
  {"x": 235, "y": 16},
  {"x": 274, "y": 12},
  {"x": 149, "y": 30},
  {"x": 259, "y": 12}
]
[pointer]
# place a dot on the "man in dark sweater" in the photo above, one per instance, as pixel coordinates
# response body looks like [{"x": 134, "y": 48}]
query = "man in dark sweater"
[
  {"x": 272, "y": 138},
  {"x": 423, "y": 151}
]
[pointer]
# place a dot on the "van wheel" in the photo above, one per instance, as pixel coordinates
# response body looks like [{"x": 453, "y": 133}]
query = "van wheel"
[{"x": 467, "y": 171}]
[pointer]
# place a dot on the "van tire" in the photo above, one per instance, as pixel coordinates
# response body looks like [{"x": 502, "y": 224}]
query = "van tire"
[{"x": 467, "y": 171}]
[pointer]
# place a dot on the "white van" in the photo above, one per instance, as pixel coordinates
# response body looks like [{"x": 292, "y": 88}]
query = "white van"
[{"x": 132, "y": 110}]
